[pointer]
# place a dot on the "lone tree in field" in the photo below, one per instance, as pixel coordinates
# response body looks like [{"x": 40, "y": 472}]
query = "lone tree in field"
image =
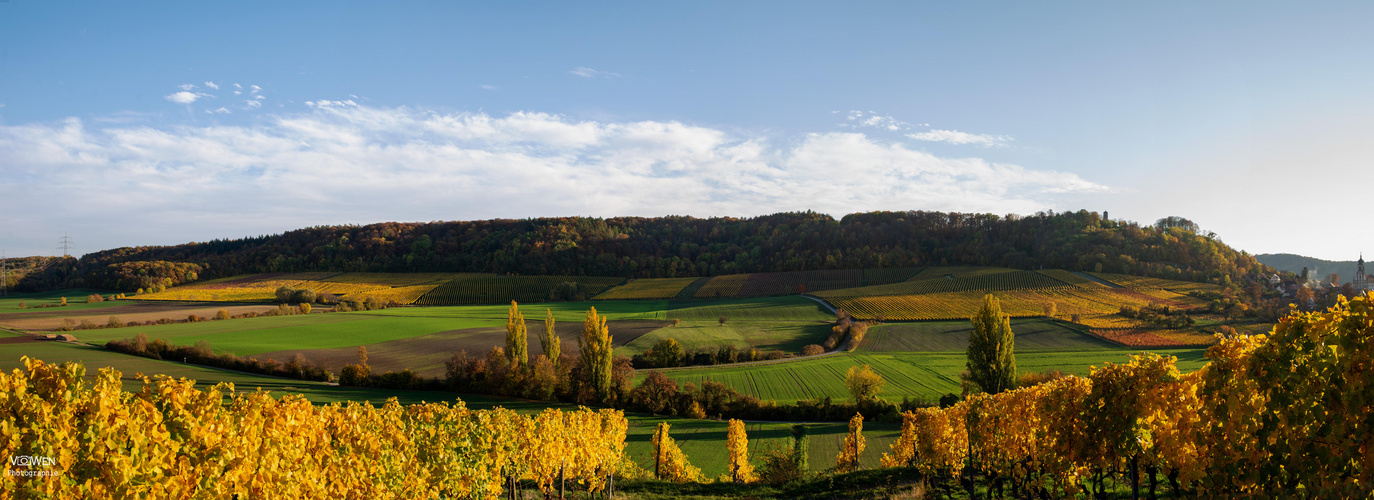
[
  {"x": 595, "y": 355},
  {"x": 991, "y": 364},
  {"x": 863, "y": 383},
  {"x": 517, "y": 340},
  {"x": 552, "y": 345}
]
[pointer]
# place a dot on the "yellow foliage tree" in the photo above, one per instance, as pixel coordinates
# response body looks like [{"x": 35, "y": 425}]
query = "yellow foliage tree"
[
  {"x": 848, "y": 460},
  {"x": 670, "y": 464},
  {"x": 595, "y": 354},
  {"x": 904, "y": 448},
  {"x": 517, "y": 339},
  {"x": 171, "y": 440},
  {"x": 863, "y": 383},
  {"x": 737, "y": 442},
  {"x": 550, "y": 342}
]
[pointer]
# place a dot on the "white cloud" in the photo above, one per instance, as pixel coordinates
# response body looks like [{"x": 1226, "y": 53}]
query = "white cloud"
[
  {"x": 342, "y": 162},
  {"x": 259, "y": 96},
  {"x": 585, "y": 72},
  {"x": 255, "y": 88},
  {"x": 182, "y": 97},
  {"x": 186, "y": 86},
  {"x": 484, "y": 87},
  {"x": 212, "y": 85},
  {"x": 237, "y": 86},
  {"x": 220, "y": 110},
  {"x": 957, "y": 137},
  {"x": 253, "y": 103},
  {"x": 237, "y": 92}
]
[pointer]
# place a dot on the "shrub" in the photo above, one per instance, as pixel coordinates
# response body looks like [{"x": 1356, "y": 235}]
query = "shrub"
[
  {"x": 222, "y": 314},
  {"x": 114, "y": 322},
  {"x": 23, "y": 305},
  {"x": 303, "y": 296},
  {"x": 94, "y": 298},
  {"x": 64, "y": 301},
  {"x": 780, "y": 466},
  {"x": 284, "y": 294},
  {"x": 305, "y": 308},
  {"x": 812, "y": 350},
  {"x": 354, "y": 375}
]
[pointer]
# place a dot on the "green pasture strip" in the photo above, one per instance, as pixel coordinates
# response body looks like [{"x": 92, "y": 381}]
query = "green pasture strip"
[
  {"x": 76, "y": 301},
  {"x": 246, "y": 337},
  {"x": 703, "y": 441},
  {"x": 918, "y": 375},
  {"x": 692, "y": 289},
  {"x": 785, "y": 308},
  {"x": 534, "y": 311},
  {"x": 952, "y": 336},
  {"x": 788, "y": 337}
]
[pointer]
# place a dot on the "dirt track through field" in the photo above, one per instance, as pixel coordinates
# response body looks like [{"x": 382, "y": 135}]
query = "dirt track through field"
[{"x": 426, "y": 354}]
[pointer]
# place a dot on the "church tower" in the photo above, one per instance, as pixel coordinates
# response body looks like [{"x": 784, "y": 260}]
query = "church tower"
[{"x": 1360, "y": 282}]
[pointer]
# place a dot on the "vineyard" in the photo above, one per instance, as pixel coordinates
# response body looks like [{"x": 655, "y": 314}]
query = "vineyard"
[
  {"x": 788, "y": 283},
  {"x": 492, "y": 289},
  {"x": 173, "y": 441},
  {"x": 1236, "y": 427},
  {"x": 958, "y": 293},
  {"x": 647, "y": 288}
]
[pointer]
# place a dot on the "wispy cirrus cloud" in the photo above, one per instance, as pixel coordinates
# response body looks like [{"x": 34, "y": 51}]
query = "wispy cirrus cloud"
[
  {"x": 339, "y": 161},
  {"x": 957, "y": 137},
  {"x": 586, "y": 72},
  {"x": 873, "y": 120}
]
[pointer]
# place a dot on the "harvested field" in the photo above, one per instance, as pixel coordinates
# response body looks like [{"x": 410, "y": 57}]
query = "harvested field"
[{"x": 426, "y": 354}]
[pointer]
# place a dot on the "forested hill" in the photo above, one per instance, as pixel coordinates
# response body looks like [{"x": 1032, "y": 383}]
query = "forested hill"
[
  {"x": 682, "y": 246},
  {"x": 1317, "y": 268}
]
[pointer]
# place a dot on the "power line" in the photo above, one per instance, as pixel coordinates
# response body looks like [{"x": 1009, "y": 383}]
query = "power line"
[{"x": 65, "y": 244}]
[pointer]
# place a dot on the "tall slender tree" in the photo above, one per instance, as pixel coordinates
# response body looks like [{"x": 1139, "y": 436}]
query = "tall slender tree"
[
  {"x": 595, "y": 355},
  {"x": 991, "y": 362},
  {"x": 552, "y": 345},
  {"x": 517, "y": 339}
]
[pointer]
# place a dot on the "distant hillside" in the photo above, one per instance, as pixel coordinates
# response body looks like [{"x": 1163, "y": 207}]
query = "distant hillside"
[
  {"x": 667, "y": 247},
  {"x": 1316, "y": 267}
]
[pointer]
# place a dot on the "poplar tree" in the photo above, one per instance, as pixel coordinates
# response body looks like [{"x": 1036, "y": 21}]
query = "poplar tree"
[
  {"x": 737, "y": 443},
  {"x": 853, "y": 447},
  {"x": 550, "y": 342},
  {"x": 991, "y": 363},
  {"x": 517, "y": 340},
  {"x": 595, "y": 354}
]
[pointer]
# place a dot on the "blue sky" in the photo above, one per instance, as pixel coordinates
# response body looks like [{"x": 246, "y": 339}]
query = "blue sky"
[{"x": 139, "y": 123}]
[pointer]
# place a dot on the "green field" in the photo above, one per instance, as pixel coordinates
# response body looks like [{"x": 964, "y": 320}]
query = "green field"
[
  {"x": 919, "y": 375},
  {"x": 702, "y": 441},
  {"x": 76, "y": 301},
  {"x": 246, "y": 337},
  {"x": 768, "y": 323},
  {"x": 952, "y": 336}
]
